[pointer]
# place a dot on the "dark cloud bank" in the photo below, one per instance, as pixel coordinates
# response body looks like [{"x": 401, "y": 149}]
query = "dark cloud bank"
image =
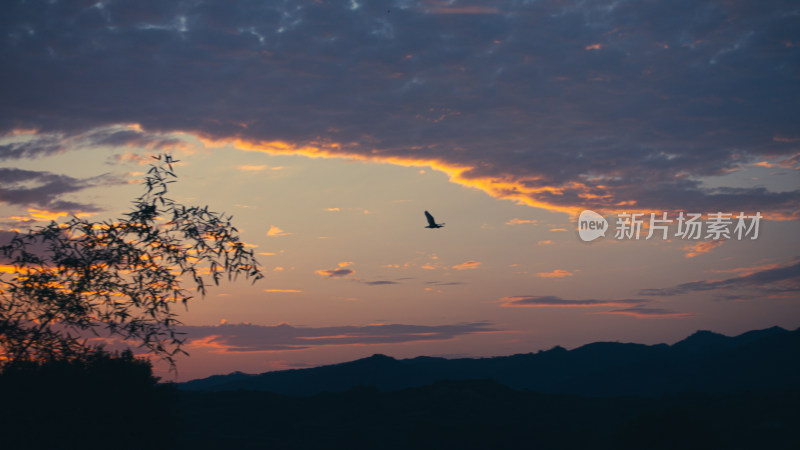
[{"x": 624, "y": 101}]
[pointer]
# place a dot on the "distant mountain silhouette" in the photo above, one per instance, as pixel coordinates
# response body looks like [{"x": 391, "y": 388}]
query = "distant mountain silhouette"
[{"x": 703, "y": 362}]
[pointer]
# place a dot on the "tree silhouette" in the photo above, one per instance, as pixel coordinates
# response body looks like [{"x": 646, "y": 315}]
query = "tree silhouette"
[
  {"x": 101, "y": 400},
  {"x": 115, "y": 279}
]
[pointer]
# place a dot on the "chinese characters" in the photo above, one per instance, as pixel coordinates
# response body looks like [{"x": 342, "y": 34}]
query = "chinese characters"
[{"x": 717, "y": 226}]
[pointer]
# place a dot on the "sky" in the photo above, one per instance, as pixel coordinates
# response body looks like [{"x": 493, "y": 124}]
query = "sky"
[{"x": 327, "y": 128}]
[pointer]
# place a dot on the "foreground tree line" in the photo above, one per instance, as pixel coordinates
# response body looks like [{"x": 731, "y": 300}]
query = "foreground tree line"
[
  {"x": 99, "y": 400},
  {"x": 117, "y": 279},
  {"x": 70, "y": 289}
]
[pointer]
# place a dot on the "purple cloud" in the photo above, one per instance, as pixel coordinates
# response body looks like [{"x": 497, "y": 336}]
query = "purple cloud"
[
  {"x": 44, "y": 189},
  {"x": 558, "y": 104},
  {"x": 784, "y": 278},
  {"x": 645, "y": 312},
  {"x": 553, "y": 301},
  {"x": 254, "y": 338},
  {"x": 335, "y": 273}
]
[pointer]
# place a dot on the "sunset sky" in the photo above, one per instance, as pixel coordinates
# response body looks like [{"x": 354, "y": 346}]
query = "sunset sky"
[{"x": 327, "y": 128}]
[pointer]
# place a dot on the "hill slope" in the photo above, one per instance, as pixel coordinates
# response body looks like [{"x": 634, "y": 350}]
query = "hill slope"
[{"x": 703, "y": 362}]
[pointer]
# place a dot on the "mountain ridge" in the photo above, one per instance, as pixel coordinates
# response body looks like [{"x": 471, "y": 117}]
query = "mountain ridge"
[{"x": 704, "y": 361}]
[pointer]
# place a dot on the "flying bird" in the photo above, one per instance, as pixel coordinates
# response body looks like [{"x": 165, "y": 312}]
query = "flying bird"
[{"x": 431, "y": 222}]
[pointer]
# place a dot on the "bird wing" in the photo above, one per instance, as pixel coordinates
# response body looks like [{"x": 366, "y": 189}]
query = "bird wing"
[{"x": 428, "y": 216}]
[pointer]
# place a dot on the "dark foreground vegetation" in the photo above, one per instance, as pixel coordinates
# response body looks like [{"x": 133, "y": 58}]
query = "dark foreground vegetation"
[
  {"x": 482, "y": 414},
  {"x": 706, "y": 392},
  {"x": 95, "y": 401},
  {"x": 104, "y": 401}
]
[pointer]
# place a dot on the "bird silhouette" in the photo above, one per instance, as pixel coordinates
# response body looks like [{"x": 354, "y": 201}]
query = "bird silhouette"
[{"x": 431, "y": 222}]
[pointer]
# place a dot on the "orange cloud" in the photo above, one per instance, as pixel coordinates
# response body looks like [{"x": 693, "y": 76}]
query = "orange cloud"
[
  {"x": 283, "y": 290},
  {"x": 335, "y": 273},
  {"x": 545, "y": 242},
  {"x": 275, "y": 232},
  {"x": 744, "y": 271},
  {"x": 792, "y": 162},
  {"x": 516, "y": 190},
  {"x": 467, "y": 265},
  {"x": 701, "y": 247},
  {"x": 527, "y": 190},
  {"x": 5, "y": 268},
  {"x": 248, "y": 168},
  {"x": 597, "y": 46},
  {"x": 42, "y": 214},
  {"x": 260, "y": 168},
  {"x": 516, "y": 221},
  {"x": 558, "y": 273},
  {"x": 134, "y": 158}
]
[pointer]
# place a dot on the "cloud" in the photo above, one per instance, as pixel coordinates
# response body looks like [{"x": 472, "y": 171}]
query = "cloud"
[
  {"x": 553, "y": 301},
  {"x": 17, "y": 222},
  {"x": 634, "y": 307},
  {"x": 132, "y": 137},
  {"x": 444, "y": 283},
  {"x": 342, "y": 272},
  {"x": 335, "y": 273},
  {"x": 558, "y": 273},
  {"x": 780, "y": 279},
  {"x": 30, "y": 149},
  {"x": 276, "y": 232},
  {"x": 230, "y": 338},
  {"x": 516, "y": 221},
  {"x": 257, "y": 168},
  {"x": 544, "y": 242},
  {"x": 44, "y": 189},
  {"x": 130, "y": 158},
  {"x": 290, "y": 291},
  {"x": 749, "y": 269},
  {"x": 701, "y": 247},
  {"x": 249, "y": 168},
  {"x": 643, "y": 312},
  {"x": 468, "y": 265},
  {"x": 32, "y": 144},
  {"x": 40, "y": 214},
  {"x": 504, "y": 98},
  {"x": 792, "y": 162}
]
